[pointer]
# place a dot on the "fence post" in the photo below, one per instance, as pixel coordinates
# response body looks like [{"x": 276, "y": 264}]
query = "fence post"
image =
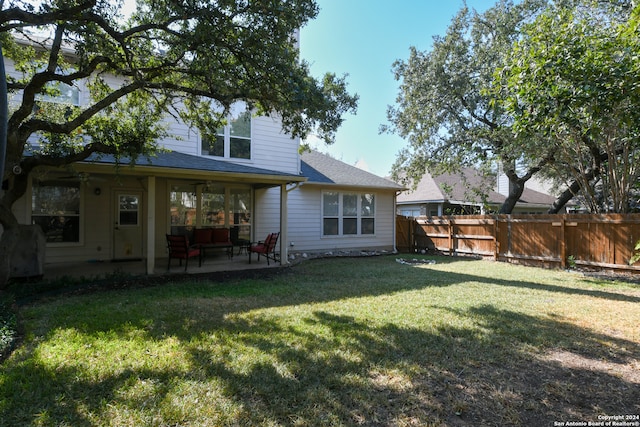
[
  {"x": 509, "y": 235},
  {"x": 450, "y": 219},
  {"x": 412, "y": 235},
  {"x": 561, "y": 240},
  {"x": 496, "y": 249},
  {"x": 563, "y": 243}
]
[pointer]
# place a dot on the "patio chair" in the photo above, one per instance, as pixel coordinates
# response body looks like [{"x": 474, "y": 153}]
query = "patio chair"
[
  {"x": 266, "y": 248},
  {"x": 179, "y": 248}
]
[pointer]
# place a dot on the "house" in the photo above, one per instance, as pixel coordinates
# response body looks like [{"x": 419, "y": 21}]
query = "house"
[
  {"x": 469, "y": 192},
  {"x": 253, "y": 181},
  {"x": 341, "y": 207}
]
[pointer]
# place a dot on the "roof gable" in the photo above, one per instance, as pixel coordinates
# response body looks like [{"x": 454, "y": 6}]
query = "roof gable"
[{"x": 323, "y": 169}]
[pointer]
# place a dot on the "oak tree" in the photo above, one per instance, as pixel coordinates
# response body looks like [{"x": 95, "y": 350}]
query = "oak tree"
[
  {"x": 443, "y": 110},
  {"x": 455, "y": 111},
  {"x": 573, "y": 80}
]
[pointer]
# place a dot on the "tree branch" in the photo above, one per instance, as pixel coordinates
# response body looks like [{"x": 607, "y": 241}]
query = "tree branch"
[
  {"x": 40, "y": 18},
  {"x": 35, "y": 125}
]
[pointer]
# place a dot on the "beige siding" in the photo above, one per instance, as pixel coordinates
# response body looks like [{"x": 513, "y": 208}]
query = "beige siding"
[
  {"x": 270, "y": 148},
  {"x": 181, "y": 137},
  {"x": 97, "y": 219},
  {"x": 305, "y": 219}
]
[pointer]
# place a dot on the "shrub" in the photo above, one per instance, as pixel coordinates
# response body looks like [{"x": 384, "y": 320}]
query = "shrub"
[{"x": 8, "y": 326}]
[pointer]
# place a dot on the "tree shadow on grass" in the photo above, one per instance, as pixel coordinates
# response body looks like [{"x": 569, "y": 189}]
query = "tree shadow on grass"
[
  {"x": 332, "y": 369},
  {"x": 410, "y": 277},
  {"x": 361, "y": 374},
  {"x": 33, "y": 395},
  {"x": 341, "y": 370},
  {"x": 372, "y": 275}
]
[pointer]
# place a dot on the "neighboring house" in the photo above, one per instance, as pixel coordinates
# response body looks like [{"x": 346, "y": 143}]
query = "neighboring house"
[
  {"x": 254, "y": 181},
  {"x": 467, "y": 193}
]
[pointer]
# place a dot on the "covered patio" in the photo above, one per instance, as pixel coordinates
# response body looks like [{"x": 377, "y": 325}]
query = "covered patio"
[
  {"x": 104, "y": 269},
  {"x": 120, "y": 219}
]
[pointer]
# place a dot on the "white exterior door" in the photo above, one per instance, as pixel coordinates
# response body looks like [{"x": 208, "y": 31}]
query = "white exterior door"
[{"x": 127, "y": 230}]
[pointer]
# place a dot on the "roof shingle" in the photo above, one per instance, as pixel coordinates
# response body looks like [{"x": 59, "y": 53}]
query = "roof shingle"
[
  {"x": 460, "y": 188},
  {"x": 323, "y": 169}
]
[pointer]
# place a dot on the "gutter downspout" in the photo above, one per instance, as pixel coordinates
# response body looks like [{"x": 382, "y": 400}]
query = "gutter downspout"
[
  {"x": 4, "y": 115},
  {"x": 395, "y": 214},
  {"x": 284, "y": 221}
]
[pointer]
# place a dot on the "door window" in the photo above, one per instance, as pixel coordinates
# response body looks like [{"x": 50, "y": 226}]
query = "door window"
[{"x": 128, "y": 209}]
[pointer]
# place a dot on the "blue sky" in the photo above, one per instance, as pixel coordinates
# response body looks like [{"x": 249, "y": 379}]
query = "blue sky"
[{"x": 363, "y": 38}]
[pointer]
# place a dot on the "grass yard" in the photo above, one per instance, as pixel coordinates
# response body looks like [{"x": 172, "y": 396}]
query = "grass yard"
[{"x": 333, "y": 342}]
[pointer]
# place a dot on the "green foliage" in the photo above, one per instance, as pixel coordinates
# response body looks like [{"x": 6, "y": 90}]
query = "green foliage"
[
  {"x": 168, "y": 58},
  {"x": 548, "y": 86},
  {"x": 8, "y": 325},
  {"x": 443, "y": 109},
  {"x": 636, "y": 254},
  {"x": 572, "y": 79}
]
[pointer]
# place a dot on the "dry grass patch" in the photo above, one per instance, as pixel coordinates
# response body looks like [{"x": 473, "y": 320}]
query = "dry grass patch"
[{"x": 364, "y": 341}]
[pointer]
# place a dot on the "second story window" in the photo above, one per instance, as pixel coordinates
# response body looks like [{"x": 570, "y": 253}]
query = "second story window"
[
  {"x": 63, "y": 94},
  {"x": 59, "y": 92},
  {"x": 232, "y": 140}
]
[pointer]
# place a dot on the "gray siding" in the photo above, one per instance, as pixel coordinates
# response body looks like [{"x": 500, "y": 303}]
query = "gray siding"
[{"x": 305, "y": 220}]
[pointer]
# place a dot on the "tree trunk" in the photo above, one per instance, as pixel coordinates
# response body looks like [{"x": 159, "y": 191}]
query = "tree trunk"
[
  {"x": 8, "y": 242},
  {"x": 571, "y": 191},
  {"x": 564, "y": 198},
  {"x": 516, "y": 188},
  {"x": 515, "y": 192},
  {"x": 12, "y": 232}
]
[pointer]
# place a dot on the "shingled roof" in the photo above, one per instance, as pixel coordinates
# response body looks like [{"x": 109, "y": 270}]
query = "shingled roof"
[
  {"x": 323, "y": 169},
  {"x": 177, "y": 160},
  {"x": 456, "y": 188},
  {"x": 318, "y": 168}
]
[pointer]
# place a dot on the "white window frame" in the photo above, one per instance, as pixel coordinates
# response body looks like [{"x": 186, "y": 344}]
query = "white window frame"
[
  {"x": 194, "y": 194},
  {"x": 80, "y": 215},
  {"x": 225, "y": 132},
  {"x": 75, "y": 91},
  {"x": 342, "y": 215},
  {"x": 126, "y": 209}
]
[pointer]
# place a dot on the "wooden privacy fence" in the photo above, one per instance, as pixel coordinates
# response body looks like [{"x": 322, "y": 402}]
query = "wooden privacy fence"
[{"x": 602, "y": 241}]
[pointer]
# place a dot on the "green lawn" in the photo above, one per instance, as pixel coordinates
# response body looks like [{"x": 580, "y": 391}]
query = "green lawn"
[{"x": 346, "y": 341}]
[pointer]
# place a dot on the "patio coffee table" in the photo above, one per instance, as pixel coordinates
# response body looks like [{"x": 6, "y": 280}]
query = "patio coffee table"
[{"x": 207, "y": 246}]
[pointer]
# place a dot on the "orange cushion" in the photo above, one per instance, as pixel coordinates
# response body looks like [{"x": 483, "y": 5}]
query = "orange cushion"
[
  {"x": 220, "y": 235},
  {"x": 202, "y": 236}
]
